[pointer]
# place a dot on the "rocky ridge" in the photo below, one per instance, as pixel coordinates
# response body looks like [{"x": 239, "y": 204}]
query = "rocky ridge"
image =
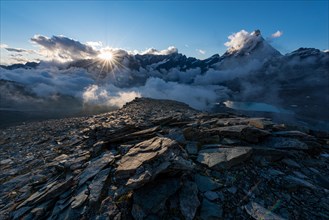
[{"x": 161, "y": 159}]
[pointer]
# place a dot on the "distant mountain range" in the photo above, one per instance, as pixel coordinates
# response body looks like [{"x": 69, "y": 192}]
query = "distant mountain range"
[{"x": 254, "y": 71}]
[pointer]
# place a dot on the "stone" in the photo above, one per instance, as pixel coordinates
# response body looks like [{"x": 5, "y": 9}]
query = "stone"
[
  {"x": 146, "y": 160},
  {"x": 230, "y": 141},
  {"x": 291, "y": 163},
  {"x": 80, "y": 198},
  {"x": 285, "y": 143},
  {"x": 147, "y": 133},
  {"x": 210, "y": 210},
  {"x": 61, "y": 157},
  {"x": 261, "y": 123},
  {"x": 245, "y": 132},
  {"x": 224, "y": 158},
  {"x": 144, "y": 152},
  {"x": 188, "y": 200},
  {"x": 97, "y": 185},
  {"x": 322, "y": 180},
  {"x": 205, "y": 183},
  {"x": 95, "y": 166},
  {"x": 269, "y": 154},
  {"x": 257, "y": 211},
  {"x": 274, "y": 172},
  {"x": 192, "y": 148},
  {"x": 295, "y": 182},
  {"x": 232, "y": 189},
  {"x": 299, "y": 175},
  {"x": 293, "y": 134},
  {"x": 50, "y": 191},
  {"x": 211, "y": 196},
  {"x": 6, "y": 162},
  {"x": 177, "y": 135},
  {"x": 149, "y": 199}
]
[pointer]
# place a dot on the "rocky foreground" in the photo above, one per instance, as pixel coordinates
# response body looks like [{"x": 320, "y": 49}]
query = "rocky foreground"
[{"x": 160, "y": 159}]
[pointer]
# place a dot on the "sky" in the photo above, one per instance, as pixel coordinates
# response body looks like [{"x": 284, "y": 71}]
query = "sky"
[{"x": 196, "y": 28}]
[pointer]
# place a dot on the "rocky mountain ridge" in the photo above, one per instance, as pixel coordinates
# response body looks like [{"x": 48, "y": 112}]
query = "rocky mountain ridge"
[{"x": 161, "y": 159}]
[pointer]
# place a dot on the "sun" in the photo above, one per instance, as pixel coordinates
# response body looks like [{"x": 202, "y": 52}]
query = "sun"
[{"x": 106, "y": 56}]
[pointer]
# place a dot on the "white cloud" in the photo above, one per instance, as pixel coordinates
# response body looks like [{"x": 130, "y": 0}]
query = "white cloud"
[
  {"x": 277, "y": 34},
  {"x": 94, "y": 44},
  {"x": 241, "y": 39},
  {"x": 108, "y": 95},
  {"x": 201, "y": 51},
  {"x": 3, "y": 45}
]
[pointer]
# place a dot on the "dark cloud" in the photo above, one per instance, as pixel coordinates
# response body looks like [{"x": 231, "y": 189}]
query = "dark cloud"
[
  {"x": 17, "y": 50},
  {"x": 64, "y": 48}
]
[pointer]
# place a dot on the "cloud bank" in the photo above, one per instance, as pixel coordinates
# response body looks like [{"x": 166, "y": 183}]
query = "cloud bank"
[{"x": 63, "y": 48}]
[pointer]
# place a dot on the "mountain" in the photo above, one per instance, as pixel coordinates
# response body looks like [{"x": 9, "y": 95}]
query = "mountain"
[
  {"x": 251, "y": 70},
  {"x": 161, "y": 159},
  {"x": 28, "y": 65}
]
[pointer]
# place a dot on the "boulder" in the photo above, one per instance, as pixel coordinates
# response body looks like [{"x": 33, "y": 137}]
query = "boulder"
[
  {"x": 224, "y": 158},
  {"x": 146, "y": 160},
  {"x": 150, "y": 199}
]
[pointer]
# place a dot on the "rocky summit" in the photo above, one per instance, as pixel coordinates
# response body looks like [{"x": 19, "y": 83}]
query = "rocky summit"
[{"x": 161, "y": 159}]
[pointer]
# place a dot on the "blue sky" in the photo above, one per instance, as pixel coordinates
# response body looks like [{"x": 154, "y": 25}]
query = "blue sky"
[{"x": 189, "y": 26}]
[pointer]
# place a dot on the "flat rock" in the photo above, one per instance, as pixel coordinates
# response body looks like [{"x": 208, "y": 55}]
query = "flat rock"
[
  {"x": 96, "y": 186},
  {"x": 146, "y": 160},
  {"x": 259, "y": 212},
  {"x": 285, "y": 143},
  {"x": 245, "y": 132},
  {"x": 6, "y": 162},
  {"x": 95, "y": 166},
  {"x": 80, "y": 198},
  {"x": 144, "y": 152},
  {"x": 224, "y": 158},
  {"x": 210, "y": 195},
  {"x": 291, "y": 163},
  {"x": 261, "y": 123},
  {"x": 295, "y": 182},
  {"x": 192, "y": 148},
  {"x": 205, "y": 183},
  {"x": 50, "y": 191},
  {"x": 188, "y": 199},
  {"x": 210, "y": 210}
]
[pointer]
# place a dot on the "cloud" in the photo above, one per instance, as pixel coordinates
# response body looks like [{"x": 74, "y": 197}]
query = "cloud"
[
  {"x": 169, "y": 50},
  {"x": 108, "y": 95},
  {"x": 201, "y": 51},
  {"x": 3, "y": 45},
  {"x": 17, "y": 50},
  {"x": 199, "y": 97},
  {"x": 277, "y": 34},
  {"x": 63, "y": 48},
  {"x": 241, "y": 39},
  {"x": 94, "y": 44}
]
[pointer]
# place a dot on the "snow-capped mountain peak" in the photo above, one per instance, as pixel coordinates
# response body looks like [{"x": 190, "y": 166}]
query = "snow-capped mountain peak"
[{"x": 244, "y": 43}]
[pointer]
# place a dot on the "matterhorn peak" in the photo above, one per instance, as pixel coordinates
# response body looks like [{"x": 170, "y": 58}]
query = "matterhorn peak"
[{"x": 245, "y": 43}]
